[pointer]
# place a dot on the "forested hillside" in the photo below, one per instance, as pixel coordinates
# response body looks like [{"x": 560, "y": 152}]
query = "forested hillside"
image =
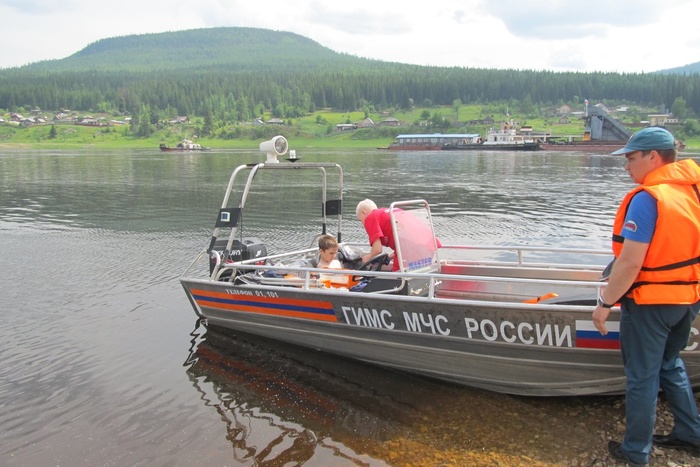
[
  {"x": 213, "y": 49},
  {"x": 691, "y": 68},
  {"x": 232, "y": 74}
]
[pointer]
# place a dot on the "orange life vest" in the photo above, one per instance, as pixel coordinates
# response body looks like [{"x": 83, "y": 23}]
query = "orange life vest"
[
  {"x": 338, "y": 280},
  {"x": 671, "y": 268}
]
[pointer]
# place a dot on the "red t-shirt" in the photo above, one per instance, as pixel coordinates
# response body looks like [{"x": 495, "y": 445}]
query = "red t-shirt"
[{"x": 378, "y": 227}]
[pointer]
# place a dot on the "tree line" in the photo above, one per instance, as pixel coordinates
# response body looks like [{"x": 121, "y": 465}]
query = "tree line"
[
  {"x": 239, "y": 96},
  {"x": 236, "y": 74}
]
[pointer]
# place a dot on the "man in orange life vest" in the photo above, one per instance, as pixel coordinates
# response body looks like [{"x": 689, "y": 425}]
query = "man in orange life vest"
[{"x": 656, "y": 242}]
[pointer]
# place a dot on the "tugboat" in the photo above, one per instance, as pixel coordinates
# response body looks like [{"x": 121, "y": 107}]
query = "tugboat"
[{"x": 505, "y": 138}]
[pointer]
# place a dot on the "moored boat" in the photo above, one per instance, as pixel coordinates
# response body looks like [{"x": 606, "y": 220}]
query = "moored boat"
[
  {"x": 424, "y": 142},
  {"x": 603, "y": 147},
  {"x": 520, "y": 324},
  {"x": 505, "y": 138},
  {"x": 184, "y": 145}
]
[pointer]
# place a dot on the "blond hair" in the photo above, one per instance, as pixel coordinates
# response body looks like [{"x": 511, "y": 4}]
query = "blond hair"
[{"x": 366, "y": 205}]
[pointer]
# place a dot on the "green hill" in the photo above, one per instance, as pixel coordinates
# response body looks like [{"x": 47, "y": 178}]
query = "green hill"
[{"x": 238, "y": 49}]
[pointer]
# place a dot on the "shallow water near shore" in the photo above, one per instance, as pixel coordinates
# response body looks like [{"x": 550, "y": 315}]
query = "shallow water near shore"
[{"x": 105, "y": 363}]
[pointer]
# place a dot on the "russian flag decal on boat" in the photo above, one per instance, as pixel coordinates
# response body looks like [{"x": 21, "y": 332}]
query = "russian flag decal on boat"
[{"x": 588, "y": 337}]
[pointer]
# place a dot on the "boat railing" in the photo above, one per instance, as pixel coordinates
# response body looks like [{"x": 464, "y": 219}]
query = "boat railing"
[
  {"x": 476, "y": 286},
  {"x": 194, "y": 262},
  {"x": 521, "y": 251},
  {"x": 465, "y": 280},
  {"x": 312, "y": 278},
  {"x": 303, "y": 278}
]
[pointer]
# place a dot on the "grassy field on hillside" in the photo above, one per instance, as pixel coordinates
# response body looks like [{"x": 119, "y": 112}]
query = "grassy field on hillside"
[{"x": 316, "y": 130}]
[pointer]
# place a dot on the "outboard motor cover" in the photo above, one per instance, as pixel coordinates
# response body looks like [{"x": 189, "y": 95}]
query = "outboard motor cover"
[{"x": 241, "y": 250}]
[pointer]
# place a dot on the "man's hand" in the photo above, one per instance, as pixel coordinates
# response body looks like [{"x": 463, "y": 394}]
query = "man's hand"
[{"x": 600, "y": 316}]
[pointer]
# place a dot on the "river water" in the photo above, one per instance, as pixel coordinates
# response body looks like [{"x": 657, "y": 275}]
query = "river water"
[{"x": 103, "y": 361}]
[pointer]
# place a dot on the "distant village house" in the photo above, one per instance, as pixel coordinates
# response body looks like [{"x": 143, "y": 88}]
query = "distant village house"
[
  {"x": 662, "y": 119},
  {"x": 90, "y": 121},
  {"x": 346, "y": 126},
  {"x": 391, "y": 121}
]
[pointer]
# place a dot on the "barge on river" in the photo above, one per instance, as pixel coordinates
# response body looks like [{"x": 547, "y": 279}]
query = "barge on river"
[
  {"x": 514, "y": 320},
  {"x": 505, "y": 138}
]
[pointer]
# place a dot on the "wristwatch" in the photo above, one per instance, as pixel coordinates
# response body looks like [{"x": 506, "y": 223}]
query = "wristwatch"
[{"x": 603, "y": 304}]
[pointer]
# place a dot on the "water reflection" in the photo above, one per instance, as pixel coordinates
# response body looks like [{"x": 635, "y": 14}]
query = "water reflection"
[
  {"x": 285, "y": 405},
  {"x": 282, "y": 404}
]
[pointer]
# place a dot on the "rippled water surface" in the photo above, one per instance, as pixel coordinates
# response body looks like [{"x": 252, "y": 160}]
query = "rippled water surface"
[{"x": 103, "y": 361}]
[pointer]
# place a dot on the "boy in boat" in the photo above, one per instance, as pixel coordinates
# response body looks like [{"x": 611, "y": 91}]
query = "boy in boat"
[{"x": 327, "y": 250}]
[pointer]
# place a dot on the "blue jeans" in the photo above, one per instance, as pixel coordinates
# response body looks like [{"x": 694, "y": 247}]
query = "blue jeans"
[{"x": 651, "y": 338}]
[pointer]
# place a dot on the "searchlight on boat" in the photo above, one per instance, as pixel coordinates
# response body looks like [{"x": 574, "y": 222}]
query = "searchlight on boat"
[{"x": 277, "y": 146}]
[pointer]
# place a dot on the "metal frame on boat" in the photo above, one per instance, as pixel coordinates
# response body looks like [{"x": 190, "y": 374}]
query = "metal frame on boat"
[{"x": 518, "y": 324}]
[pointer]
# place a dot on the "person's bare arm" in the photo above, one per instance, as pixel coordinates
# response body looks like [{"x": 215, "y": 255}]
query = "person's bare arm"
[
  {"x": 376, "y": 249},
  {"x": 625, "y": 270}
]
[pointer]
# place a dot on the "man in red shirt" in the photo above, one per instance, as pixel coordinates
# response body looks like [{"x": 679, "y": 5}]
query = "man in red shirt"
[{"x": 377, "y": 223}]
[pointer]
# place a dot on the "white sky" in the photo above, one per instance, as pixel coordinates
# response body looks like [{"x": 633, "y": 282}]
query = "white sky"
[{"x": 560, "y": 35}]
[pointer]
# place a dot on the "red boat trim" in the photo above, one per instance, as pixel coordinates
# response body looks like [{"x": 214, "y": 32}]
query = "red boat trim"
[{"x": 289, "y": 307}]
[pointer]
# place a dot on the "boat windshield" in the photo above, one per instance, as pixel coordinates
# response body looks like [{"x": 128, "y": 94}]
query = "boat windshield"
[{"x": 416, "y": 245}]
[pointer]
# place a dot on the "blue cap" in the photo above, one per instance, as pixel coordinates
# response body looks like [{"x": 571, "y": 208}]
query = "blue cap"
[{"x": 648, "y": 139}]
